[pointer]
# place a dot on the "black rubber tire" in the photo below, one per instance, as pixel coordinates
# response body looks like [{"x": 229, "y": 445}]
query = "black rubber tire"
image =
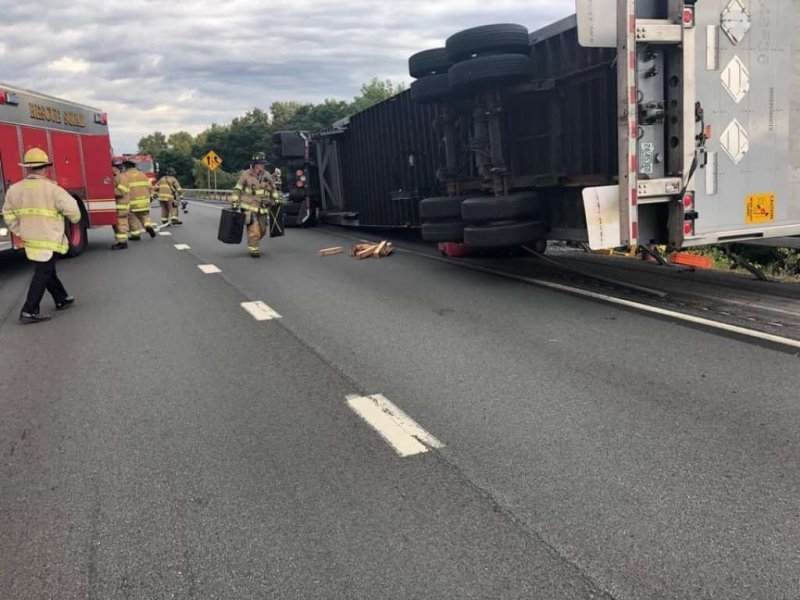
[
  {"x": 520, "y": 205},
  {"x": 433, "y": 88},
  {"x": 440, "y": 207},
  {"x": 497, "y": 69},
  {"x": 443, "y": 231},
  {"x": 429, "y": 62},
  {"x": 77, "y": 235},
  {"x": 506, "y": 38},
  {"x": 496, "y": 235}
]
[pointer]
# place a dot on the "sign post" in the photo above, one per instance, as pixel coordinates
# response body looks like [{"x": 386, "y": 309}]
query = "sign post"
[{"x": 213, "y": 162}]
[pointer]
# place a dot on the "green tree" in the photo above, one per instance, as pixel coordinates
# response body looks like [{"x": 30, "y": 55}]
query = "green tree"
[
  {"x": 374, "y": 92},
  {"x": 181, "y": 162},
  {"x": 282, "y": 114},
  {"x": 200, "y": 174},
  {"x": 153, "y": 144},
  {"x": 182, "y": 141}
]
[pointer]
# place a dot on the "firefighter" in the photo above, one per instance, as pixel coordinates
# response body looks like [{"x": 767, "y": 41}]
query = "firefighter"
[
  {"x": 137, "y": 197},
  {"x": 277, "y": 179},
  {"x": 169, "y": 194},
  {"x": 34, "y": 210},
  {"x": 120, "y": 191},
  {"x": 253, "y": 194}
]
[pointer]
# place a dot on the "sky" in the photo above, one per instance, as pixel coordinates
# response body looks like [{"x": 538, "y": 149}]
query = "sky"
[{"x": 184, "y": 64}]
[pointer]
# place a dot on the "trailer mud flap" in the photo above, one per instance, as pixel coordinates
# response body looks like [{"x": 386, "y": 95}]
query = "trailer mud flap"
[{"x": 601, "y": 206}]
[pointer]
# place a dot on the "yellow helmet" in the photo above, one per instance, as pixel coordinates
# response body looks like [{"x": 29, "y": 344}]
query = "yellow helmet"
[{"x": 35, "y": 157}]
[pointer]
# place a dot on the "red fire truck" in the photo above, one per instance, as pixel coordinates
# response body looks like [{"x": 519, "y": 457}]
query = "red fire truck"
[
  {"x": 76, "y": 139},
  {"x": 143, "y": 162}
]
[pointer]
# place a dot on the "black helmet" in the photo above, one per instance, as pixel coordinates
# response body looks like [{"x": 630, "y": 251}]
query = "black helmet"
[
  {"x": 170, "y": 171},
  {"x": 116, "y": 162},
  {"x": 259, "y": 158}
]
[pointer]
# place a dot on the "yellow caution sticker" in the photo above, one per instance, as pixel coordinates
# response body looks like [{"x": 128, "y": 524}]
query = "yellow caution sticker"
[{"x": 760, "y": 208}]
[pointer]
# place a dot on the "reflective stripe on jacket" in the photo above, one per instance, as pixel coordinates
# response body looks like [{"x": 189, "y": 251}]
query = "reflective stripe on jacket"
[
  {"x": 251, "y": 189},
  {"x": 168, "y": 189},
  {"x": 137, "y": 190},
  {"x": 34, "y": 211}
]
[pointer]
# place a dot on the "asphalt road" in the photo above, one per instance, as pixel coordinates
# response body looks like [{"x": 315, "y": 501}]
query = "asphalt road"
[{"x": 159, "y": 442}]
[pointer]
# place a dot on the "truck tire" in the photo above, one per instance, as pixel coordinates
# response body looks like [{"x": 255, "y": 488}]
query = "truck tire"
[
  {"x": 495, "y": 69},
  {"x": 443, "y": 231},
  {"x": 440, "y": 207},
  {"x": 499, "y": 234},
  {"x": 503, "y": 38},
  {"x": 77, "y": 236},
  {"x": 432, "y": 88},
  {"x": 429, "y": 62},
  {"x": 521, "y": 205}
]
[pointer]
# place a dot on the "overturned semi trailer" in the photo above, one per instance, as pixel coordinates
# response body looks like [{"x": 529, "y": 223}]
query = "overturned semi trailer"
[{"x": 635, "y": 121}]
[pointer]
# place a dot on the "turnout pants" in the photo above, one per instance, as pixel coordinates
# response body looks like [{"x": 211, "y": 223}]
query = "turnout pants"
[
  {"x": 139, "y": 222},
  {"x": 44, "y": 278},
  {"x": 121, "y": 228},
  {"x": 169, "y": 211},
  {"x": 256, "y": 229}
]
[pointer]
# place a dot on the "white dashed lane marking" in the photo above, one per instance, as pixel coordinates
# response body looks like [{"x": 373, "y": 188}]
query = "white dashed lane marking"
[
  {"x": 260, "y": 311},
  {"x": 399, "y": 430},
  {"x": 208, "y": 269},
  {"x": 164, "y": 233},
  {"x": 182, "y": 247}
]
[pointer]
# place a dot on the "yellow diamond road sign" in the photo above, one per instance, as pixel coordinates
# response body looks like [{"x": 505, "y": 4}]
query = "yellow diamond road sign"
[{"x": 212, "y": 160}]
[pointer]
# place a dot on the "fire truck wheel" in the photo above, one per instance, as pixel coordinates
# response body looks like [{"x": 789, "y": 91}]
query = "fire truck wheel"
[
  {"x": 77, "y": 237},
  {"x": 495, "y": 235},
  {"x": 501, "y": 38},
  {"x": 441, "y": 207},
  {"x": 428, "y": 62},
  {"x": 443, "y": 231},
  {"x": 521, "y": 205},
  {"x": 433, "y": 88},
  {"x": 497, "y": 69}
]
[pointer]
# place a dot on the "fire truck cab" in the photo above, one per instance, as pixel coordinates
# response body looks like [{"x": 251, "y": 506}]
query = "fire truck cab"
[{"x": 76, "y": 138}]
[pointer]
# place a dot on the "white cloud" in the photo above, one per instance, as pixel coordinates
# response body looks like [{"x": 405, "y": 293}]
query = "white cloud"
[
  {"x": 66, "y": 64},
  {"x": 183, "y": 65}
]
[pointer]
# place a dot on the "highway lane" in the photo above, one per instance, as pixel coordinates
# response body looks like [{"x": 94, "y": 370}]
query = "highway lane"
[
  {"x": 661, "y": 459},
  {"x": 159, "y": 442},
  {"x": 585, "y": 445}
]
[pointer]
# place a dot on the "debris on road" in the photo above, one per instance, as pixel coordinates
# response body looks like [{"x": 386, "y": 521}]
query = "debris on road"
[
  {"x": 691, "y": 260},
  {"x": 379, "y": 250},
  {"x": 330, "y": 251}
]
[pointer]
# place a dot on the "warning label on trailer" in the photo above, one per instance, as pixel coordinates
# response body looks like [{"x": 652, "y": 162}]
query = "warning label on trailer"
[{"x": 760, "y": 208}]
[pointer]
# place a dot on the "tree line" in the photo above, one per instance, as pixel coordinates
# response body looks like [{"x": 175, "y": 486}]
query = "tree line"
[{"x": 237, "y": 141}]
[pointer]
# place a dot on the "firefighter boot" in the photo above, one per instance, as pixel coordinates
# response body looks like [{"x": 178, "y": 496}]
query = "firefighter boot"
[{"x": 120, "y": 246}]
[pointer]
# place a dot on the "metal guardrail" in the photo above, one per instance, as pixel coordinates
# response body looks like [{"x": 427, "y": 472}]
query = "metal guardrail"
[{"x": 208, "y": 195}]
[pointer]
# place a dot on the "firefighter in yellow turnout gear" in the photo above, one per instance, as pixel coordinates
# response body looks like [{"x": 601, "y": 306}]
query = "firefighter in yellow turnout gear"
[
  {"x": 34, "y": 210},
  {"x": 137, "y": 189},
  {"x": 169, "y": 194},
  {"x": 121, "y": 228},
  {"x": 254, "y": 193}
]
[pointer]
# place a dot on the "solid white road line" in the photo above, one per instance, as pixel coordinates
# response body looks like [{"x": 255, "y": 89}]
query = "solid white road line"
[
  {"x": 164, "y": 233},
  {"x": 260, "y": 311},
  {"x": 208, "y": 269},
  {"x": 744, "y": 331},
  {"x": 399, "y": 430},
  {"x": 182, "y": 247}
]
